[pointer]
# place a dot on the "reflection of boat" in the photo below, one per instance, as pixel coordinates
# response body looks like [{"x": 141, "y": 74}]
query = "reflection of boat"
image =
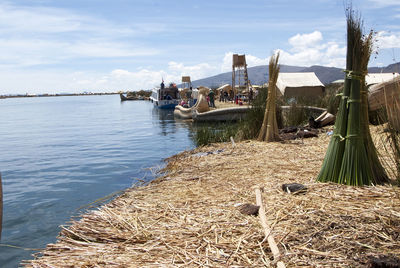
[
  {"x": 124, "y": 98},
  {"x": 165, "y": 98}
]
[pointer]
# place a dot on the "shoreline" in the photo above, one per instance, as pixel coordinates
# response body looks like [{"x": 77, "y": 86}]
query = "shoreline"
[
  {"x": 190, "y": 216},
  {"x": 55, "y": 95}
]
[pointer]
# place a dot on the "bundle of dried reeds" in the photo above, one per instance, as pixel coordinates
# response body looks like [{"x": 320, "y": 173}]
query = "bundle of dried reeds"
[
  {"x": 378, "y": 172},
  {"x": 269, "y": 128}
]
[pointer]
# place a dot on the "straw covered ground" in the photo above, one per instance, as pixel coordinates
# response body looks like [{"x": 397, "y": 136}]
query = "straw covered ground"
[{"x": 190, "y": 217}]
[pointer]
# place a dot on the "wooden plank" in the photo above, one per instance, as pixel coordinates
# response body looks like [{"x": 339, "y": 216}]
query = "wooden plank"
[{"x": 267, "y": 230}]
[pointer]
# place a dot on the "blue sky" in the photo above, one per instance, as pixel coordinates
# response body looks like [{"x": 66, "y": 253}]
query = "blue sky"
[{"x": 51, "y": 46}]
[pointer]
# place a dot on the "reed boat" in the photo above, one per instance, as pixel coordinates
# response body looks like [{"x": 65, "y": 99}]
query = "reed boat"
[
  {"x": 224, "y": 114},
  {"x": 125, "y": 98}
]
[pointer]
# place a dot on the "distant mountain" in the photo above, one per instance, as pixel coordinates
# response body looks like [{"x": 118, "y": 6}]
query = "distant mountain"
[
  {"x": 258, "y": 75},
  {"x": 392, "y": 68}
]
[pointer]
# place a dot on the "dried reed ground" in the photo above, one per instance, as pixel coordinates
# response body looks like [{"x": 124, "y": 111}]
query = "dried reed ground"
[{"x": 189, "y": 218}]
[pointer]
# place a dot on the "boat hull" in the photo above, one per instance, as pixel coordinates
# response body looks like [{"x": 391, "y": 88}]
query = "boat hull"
[{"x": 165, "y": 104}]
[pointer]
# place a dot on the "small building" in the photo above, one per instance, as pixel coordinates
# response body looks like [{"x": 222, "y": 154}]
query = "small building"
[{"x": 295, "y": 85}]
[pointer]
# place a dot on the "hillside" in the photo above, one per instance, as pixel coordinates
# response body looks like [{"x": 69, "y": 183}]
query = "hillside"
[{"x": 258, "y": 75}]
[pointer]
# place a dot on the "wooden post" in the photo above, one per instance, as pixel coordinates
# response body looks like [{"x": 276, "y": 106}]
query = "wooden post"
[
  {"x": 1, "y": 205},
  {"x": 267, "y": 230}
]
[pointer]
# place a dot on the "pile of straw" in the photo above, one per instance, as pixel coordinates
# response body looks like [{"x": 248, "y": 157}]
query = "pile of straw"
[{"x": 190, "y": 217}]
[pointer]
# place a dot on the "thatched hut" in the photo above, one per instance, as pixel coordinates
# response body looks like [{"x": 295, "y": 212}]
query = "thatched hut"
[
  {"x": 224, "y": 88},
  {"x": 387, "y": 95},
  {"x": 294, "y": 85}
]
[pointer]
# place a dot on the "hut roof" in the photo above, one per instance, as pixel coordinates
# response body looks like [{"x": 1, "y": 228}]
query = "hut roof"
[
  {"x": 387, "y": 95},
  {"x": 377, "y": 78},
  {"x": 298, "y": 80},
  {"x": 379, "y": 93}
]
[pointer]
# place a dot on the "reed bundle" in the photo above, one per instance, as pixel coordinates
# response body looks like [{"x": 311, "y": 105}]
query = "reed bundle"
[
  {"x": 269, "y": 128},
  {"x": 351, "y": 156},
  {"x": 189, "y": 217}
]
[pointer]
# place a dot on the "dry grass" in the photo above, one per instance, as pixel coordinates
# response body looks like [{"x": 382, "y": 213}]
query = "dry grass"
[
  {"x": 227, "y": 104},
  {"x": 189, "y": 218}
]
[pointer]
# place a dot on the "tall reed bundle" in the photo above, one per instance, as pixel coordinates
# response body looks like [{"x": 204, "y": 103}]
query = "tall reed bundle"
[
  {"x": 378, "y": 172},
  {"x": 269, "y": 129},
  {"x": 351, "y": 155}
]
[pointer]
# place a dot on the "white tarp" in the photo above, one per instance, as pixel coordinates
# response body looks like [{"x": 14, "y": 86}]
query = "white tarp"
[
  {"x": 306, "y": 84},
  {"x": 377, "y": 78}
]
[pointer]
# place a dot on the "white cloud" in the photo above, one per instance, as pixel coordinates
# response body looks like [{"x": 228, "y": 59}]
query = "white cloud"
[
  {"x": 300, "y": 42},
  {"x": 119, "y": 79},
  {"x": 195, "y": 71},
  {"x": 309, "y": 49},
  {"x": 31, "y": 36},
  {"x": 251, "y": 61},
  {"x": 388, "y": 40},
  {"x": 306, "y": 50},
  {"x": 385, "y": 3}
]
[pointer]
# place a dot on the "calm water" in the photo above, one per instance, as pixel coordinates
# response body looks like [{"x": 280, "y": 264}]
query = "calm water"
[{"x": 58, "y": 154}]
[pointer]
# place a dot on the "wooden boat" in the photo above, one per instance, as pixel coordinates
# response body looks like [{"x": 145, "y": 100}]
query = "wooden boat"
[{"x": 125, "y": 98}]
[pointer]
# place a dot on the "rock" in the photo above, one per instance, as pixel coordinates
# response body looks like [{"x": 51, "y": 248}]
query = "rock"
[
  {"x": 307, "y": 134},
  {"x": 249, "y": 209},
  {"x": 313, "y": 123},
  {"x": 294, "y": 188},
  {"x": 384, "y": 262},
  {"x": 288, "y": 130}
]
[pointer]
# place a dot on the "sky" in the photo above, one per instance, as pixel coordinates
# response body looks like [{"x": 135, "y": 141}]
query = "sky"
[{"x": 57, "y": 46}]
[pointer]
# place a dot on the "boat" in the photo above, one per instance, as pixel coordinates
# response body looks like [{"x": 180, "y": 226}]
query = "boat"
[
  {"x": 200, "y": 106},
  {"x": 224, "y": 114},
  {"x": 165, "y": 97},
  {"x": 125, "y": 98}
]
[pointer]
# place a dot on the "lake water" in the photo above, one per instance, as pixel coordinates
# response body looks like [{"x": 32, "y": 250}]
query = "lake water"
[{"x": 58, "y": 154}]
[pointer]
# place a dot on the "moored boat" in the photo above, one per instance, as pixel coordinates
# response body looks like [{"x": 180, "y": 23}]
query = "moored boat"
[{"x": 165, "y": 97}]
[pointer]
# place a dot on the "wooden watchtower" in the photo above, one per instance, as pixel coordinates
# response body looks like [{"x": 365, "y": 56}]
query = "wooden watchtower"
[
  {"x": 240, "y": 78},
  {"x": 186, "y": 83}
]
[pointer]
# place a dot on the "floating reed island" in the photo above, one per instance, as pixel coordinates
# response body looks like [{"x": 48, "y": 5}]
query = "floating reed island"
[{"x": 192, "y": 216}]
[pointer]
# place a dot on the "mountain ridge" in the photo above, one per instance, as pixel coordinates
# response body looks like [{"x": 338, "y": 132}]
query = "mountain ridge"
[{"x": 258, "y": 75}]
